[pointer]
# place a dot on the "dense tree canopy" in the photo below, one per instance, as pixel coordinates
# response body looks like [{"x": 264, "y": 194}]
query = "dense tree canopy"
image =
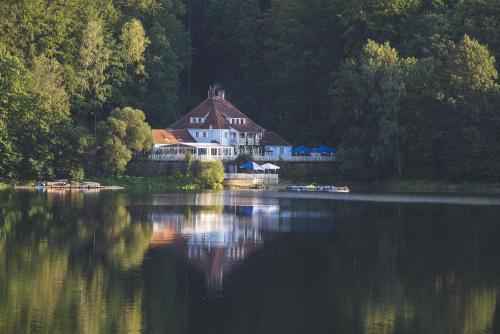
[
  {"x": 125, "y": 131},
  {"x": 402, "y": 88}
]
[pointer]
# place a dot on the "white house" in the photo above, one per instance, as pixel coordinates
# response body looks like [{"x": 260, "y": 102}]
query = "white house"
[
  {"x": 276, "y": 147},
  {"x": 216, "y": 129}
]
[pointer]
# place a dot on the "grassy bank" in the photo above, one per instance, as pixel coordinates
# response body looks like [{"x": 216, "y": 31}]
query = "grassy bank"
[{"x": 151, "y": 183}]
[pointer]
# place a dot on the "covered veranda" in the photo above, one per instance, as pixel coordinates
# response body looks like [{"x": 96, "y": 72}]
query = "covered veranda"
[{"x": 200, "y": 151}]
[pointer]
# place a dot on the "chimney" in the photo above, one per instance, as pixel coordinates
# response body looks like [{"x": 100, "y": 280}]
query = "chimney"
[
  {"x": 211, "y": 93},
  {"x": 221, "y": 93}
]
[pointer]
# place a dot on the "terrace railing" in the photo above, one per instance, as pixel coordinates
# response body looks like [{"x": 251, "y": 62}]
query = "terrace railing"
[
  {"x": 294, "y": 158},
  {"x": 246, "y": 176},
  {"x": 259, "y": 158},
  {"x": 177, "y": 157}
]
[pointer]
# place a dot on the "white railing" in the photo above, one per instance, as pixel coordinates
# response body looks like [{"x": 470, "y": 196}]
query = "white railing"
[
  {"x": 181, "y": 157},
  {"x": 294, "y": 158},
  {"x": 261, "y": 158},
  {"x": 245, "y": 176},
  {"x": 262, "y": 179}
]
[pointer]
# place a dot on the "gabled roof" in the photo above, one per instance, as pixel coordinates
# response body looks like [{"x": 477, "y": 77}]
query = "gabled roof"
[
  {"x": 164, "y": 137},
  {"x": 215, "y": 110},
  {"x": 272, "y": 138}
]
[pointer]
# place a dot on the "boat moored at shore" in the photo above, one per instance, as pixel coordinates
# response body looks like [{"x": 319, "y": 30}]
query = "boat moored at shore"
[{"x": 315, "y": 188}]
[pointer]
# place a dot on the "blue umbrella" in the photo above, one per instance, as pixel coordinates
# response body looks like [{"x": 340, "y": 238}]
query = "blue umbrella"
[
  {"x": 251, "y": 166},
  {"x": 324, "y": 150},
  {"x": 301, "y": 150}
]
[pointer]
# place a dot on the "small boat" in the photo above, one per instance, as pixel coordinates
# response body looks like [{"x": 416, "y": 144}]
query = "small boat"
[
  {"x": 332, "y": 189},
  {"x": 311, "y": 188},
  {"x": 38, "y": 185}
]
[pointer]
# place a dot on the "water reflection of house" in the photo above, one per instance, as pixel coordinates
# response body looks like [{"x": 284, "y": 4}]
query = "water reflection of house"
[
  {"x": 213, "y": 239},
  {"x": 219, "y": 233}
]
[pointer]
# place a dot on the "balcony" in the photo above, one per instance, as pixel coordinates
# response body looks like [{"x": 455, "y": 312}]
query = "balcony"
[{"x": 244, "y": 141}]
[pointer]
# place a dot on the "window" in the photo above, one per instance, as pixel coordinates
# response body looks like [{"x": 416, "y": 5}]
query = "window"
[
  {"x": 196, "y": 134},
  {"x": 225, "y": 134},
  {"x": 204, "y": 134},
  {"x": 282, "y": 150}
]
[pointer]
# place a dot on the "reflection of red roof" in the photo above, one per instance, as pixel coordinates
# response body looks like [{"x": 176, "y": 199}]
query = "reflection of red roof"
[
  {"x": 272, "y": 138},
  {"x": 163, "y": 237},
  {"x": 215, "y": 111},
  {"x": 162, "y": 136}
]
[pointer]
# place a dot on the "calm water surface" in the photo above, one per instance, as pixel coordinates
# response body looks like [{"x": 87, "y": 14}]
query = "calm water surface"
[{"x": 245, "y": 262}]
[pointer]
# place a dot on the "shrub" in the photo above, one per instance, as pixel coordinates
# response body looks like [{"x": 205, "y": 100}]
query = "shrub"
[
  {"x": 77, "y": 174},
  {"x": 188, "y": 159},
  {"x": 210, "y": 174}
]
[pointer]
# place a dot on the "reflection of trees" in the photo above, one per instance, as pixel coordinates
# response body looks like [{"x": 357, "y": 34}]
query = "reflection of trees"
[
  {"x": 124, "y": 242},
  {"x": 54, "y": 268},
  {"x": 382, "y": 271},
  {"x": 80, "y": 268}
]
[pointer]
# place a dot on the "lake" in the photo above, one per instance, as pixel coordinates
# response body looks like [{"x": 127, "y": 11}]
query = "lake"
[{"x": 247, "y": 262}]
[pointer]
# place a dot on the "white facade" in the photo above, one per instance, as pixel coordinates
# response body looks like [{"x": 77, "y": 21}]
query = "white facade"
[
  {"x": 221, "y": 136},
  {"x": 243, "y": 142},
  {"x": 278, "y": 151}
]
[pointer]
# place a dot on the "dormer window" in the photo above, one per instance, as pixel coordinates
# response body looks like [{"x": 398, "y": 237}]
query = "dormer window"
[
  {"x": 237, "y": 121},
  {"x": 197, "y": 120}
]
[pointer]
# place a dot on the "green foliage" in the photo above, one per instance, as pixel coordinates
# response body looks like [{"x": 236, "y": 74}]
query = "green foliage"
[
  {"x": 48, "y": 81},
  {"x": 209, "y": 174},
  {"x": 188, "y": 159},
  {"x": 124, "y": 131},
  {"x": 130, "y": 126},
  {"x": 94, "y": 62},
  {"x": 29, "y": 120},
  {"x": 400, "y": 87},
  {"x": 115, "y": 156},
  {"x": 472, "y": 66},
  {"x": 370, "y": 90},
  {"x": 134, "y": 43},
  {"x": 77, "y": 174},
  {"x": 427, "y": 114}
]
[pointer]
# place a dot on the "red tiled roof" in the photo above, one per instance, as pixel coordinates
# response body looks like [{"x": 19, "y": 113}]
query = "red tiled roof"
[
  {"x": 163, "y": 137},
  {"x": 272, "y": 138},
  {"x": 216, "y": 110}
]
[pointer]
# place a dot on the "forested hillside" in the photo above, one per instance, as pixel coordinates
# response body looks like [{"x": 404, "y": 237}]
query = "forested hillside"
[{"x": 401, "y": 87}]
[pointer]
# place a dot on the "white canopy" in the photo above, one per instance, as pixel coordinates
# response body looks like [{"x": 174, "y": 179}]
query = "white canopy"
[{"x": 269, "y": 166}]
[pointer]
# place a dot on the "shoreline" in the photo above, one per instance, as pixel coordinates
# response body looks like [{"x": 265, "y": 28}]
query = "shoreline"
[
  {"x": 449, "y": 199},
  {"x": 396, "y": 186},
  {"x": 388, "y": 187}
]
